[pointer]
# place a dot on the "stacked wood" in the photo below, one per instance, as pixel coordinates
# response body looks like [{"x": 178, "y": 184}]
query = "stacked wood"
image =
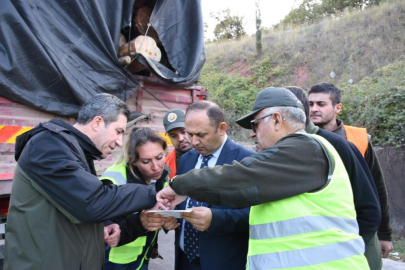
[
  {"x": 144, "y": 40},
  {"x": 141, "y": 44}
]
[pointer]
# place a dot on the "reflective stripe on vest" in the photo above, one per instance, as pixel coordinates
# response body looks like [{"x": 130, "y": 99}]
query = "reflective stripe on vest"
[
  {"x": 315, "y": 255},
  {"x": 130, "y": 252},
  {"x": 117, "y": 176},
  {"x": 357, "y": 136},
  {"x": 311, "y": 230},
  {"x": 301, "y": 225}
]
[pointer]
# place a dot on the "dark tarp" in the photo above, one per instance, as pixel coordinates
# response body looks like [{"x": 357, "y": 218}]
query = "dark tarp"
[{"x": 55, "y": 55}]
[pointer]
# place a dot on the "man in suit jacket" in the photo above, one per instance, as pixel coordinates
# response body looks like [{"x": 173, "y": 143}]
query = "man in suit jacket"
[{"x": 222, "y": 233}]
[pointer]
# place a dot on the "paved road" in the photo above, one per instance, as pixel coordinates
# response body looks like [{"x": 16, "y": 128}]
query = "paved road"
[
  {"x": 166, "y": 249},
  {"x": 393, "y": 265}
]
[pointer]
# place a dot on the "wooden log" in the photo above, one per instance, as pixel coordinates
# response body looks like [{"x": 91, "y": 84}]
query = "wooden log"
[
  {"x": 141, "y": 3},
  {"x": 148, "y": 47},
  {"x": 144, "y": 45},
  {"x": 136, "y": 67},
  {"x": 122, "y": 41},
  {"x": 141, "y": 21},
  {"x": 125, "y": 60}
]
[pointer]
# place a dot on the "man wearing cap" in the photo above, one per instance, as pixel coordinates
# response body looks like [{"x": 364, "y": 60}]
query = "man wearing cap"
[
  {"x": 302, "y": 212},
  {"x": 175, "y": 128}
]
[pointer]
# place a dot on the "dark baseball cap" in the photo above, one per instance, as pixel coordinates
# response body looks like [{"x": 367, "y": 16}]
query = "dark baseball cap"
[
  {"x": 270, "y": 97},
  {"x": 173, "y": 119}
]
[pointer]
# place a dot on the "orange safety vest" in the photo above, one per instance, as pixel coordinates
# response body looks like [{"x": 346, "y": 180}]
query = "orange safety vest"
[
  {"x": 171, "y": 163},
  {"x": 358, "y": 136}
]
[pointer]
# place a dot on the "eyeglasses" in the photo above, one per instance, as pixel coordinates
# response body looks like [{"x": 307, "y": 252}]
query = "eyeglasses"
[{"x": 255, "y": 125}]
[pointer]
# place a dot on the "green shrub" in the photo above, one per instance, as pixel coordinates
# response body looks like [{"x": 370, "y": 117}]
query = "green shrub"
[{"x": 378, "y": 103}]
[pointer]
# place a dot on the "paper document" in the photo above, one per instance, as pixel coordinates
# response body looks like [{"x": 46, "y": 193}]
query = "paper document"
[{"x": 171, "y": 213}]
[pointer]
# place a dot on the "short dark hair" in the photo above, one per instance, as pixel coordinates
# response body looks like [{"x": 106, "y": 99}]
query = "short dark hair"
[
  {"x": 107, "y": 106},
  {"x": 214, "y": 113},
  {"x": 328, "y": 88}
]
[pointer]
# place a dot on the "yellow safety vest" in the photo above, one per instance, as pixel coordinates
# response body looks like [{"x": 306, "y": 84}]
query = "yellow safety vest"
[
  {"x": 130, "y": 252},
  {"x": 314, "y": 230}
]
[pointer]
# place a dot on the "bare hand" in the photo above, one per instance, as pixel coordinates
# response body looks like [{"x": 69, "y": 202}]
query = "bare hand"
[
  {"x": 168, "y": 197},
  {"x": 386, "y": 248},
  {"x": 151, "y": 221},
  {"x": 112, "y": 234},
  {"x": 200, "y": 218},
  {"x": 159, "y": 206},
  {"x": 171, "y": 223}
]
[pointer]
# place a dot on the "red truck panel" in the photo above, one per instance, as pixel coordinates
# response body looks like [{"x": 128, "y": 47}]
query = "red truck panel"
[{"x": 154, "y": 99}]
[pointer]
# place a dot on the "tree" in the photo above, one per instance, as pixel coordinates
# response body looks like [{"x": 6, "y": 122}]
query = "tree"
[
  {"x": 258, "y": 29},
  {"x": 228, "y": 27},
  {"x": 310, "y": 11},
  {"x": 336, "y": 7}
]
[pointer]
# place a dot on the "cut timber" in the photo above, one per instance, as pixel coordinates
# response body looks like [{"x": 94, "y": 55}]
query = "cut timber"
[
  {"x": 125, "y": 60},
  {"x": 141, "y": 21},
  {"x": 122, "y": 41},
  {"x": 147, "y": 46},
  {"x": 144, "y": 45}
]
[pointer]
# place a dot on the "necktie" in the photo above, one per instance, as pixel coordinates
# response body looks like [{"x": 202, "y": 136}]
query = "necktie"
[{"x": 190, "y": 233}]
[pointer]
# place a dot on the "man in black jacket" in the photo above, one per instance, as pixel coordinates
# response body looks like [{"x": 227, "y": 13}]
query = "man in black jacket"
[
  {"x": 325, "y": 105},
  {"x": 57, "y": 203},
  {"x": 365, "y": 193}
]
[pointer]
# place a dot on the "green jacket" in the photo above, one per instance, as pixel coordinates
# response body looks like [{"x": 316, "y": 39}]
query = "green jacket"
[{"x": 271, "y": 175}]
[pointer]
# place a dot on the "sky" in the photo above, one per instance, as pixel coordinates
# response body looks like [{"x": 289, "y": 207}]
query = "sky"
[{"x": 272, "y": 12}]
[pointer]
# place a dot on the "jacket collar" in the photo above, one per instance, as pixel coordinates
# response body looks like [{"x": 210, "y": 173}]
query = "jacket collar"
[
  {"x": 311, "y": 128},
  {"x": 86, "y": 144}
]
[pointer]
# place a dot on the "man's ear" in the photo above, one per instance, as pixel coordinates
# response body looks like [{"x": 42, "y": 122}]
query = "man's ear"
[
  {"x": 97, "y": 123},
  {"x": 338, "y": 108},
  {"x": 222, "y": 128},
  {"x": 277, "y": 120}
]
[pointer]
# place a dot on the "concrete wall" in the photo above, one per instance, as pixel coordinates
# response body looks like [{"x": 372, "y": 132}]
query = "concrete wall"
[{"x": 392, "y": 161}]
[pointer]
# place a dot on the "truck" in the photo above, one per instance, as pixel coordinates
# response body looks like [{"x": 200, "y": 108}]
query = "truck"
[{"x": 55, "y": 55}]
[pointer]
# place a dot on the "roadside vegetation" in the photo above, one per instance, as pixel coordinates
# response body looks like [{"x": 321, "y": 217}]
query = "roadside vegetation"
[
  {"x": 398, "y": 253},
  {"x": 363, "y": 48}
]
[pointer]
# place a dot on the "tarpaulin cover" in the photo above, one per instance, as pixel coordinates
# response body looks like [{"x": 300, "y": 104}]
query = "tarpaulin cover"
[{"x": 55, "y": 55}]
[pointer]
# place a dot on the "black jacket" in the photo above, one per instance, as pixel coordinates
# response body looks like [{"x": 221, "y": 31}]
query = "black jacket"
[
  {"x": 365, "y": 194},
  {"x": 57, "y": 202}
]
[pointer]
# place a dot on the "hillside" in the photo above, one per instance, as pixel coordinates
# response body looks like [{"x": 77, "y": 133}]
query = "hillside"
[{"x": 356, "y": 46}]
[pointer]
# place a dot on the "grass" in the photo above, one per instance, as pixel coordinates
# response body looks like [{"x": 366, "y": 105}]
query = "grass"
[
  {"x": 399, "y": 247},
  {"x": 355, "y": 46}
]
